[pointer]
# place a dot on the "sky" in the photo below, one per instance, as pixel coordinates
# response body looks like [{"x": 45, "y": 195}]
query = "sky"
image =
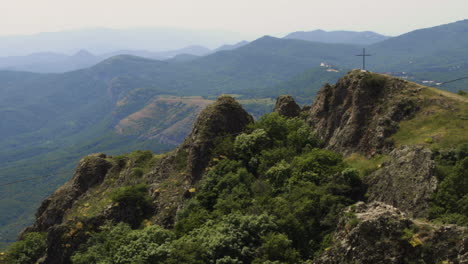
[{"x": 253, "y": 18}]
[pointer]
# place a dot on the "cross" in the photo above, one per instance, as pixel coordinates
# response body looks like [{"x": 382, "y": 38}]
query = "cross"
[{"x": 364, "y": 55}]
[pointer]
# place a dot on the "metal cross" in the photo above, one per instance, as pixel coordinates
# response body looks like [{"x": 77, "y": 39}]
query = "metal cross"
[{"x": 364, "y": 55}]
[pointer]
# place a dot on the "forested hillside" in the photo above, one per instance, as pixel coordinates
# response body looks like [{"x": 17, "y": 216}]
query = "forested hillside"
[
  {"x": 122, "y": 104},
  {"x": 299, "y": 185}
]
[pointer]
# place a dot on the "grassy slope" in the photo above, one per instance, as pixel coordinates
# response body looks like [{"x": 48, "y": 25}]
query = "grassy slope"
[{"x": 441, "y": 123}]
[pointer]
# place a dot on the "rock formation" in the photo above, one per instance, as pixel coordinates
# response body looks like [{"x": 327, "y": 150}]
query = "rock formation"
[
  {"x": 378, "y": 233},
  {"x": 185, "y": 165},
  {"x": 361, "y": 111},
  {"x": 91, "y": 171},
  {"x": 406, "y": 180},
  {"x": 225, "y": 117},
  {"x": 286, "y": 106}
]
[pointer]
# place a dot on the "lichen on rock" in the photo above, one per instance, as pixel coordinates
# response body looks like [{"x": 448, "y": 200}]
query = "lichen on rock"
[
  {"x": 406, "y": 180},
  {"x": 377, "y": 233}
]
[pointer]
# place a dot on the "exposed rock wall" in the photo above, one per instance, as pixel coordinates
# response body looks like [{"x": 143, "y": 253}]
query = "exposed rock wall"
[
  {"x": 361, "y": 111},
  {"x": 90, "y": 171},
  {"x": 225, "y": 117},
  {"x": 378, "y": 233},
  {"x": 407, "y": 180}
]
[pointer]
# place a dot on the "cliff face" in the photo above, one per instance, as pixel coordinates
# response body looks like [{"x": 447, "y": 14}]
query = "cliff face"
[
  {"x": 361, "y": 111},
  {"x": 371, "y": 114},
  {"x": 378, "y": 233},
  {"x": 85, "y": 203},
  {"x": 225, "y": 117},
  {"x": 90, "y": 171},
  {"x": 406, "y": 180}
]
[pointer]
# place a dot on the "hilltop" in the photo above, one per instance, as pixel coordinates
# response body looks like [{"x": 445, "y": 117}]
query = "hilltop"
[
  {"x": 51, "y": 120},
  {"x": 244, "y": 191}
]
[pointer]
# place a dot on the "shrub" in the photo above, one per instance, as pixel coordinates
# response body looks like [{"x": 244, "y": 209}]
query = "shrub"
[
  {"x": 135, "y": 196},
  {"x": 450, "y": 203},
  {"x": 28, "y": 250}
]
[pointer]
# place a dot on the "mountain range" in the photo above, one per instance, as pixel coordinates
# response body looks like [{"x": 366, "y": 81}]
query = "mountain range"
[
  {"x": 105, "y": 40},
  {"x": 60, "y": 63},
  {"x": 49, "y": 121},
  {"x": 350, "y": 37}
]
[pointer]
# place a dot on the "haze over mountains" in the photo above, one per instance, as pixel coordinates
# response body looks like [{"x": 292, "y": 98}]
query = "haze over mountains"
[
  {"x": 103, "y": 40},
  {"x": 350, "y": 37},
  {"x": 90, "y": 53},
  {"x": 48, "y": 121},
  {"x": 49, "y": 62}
]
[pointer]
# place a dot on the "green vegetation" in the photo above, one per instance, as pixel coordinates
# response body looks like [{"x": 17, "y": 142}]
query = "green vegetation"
[
  {"x": 269, "y": 195},
  {"x": 364, "y": 165},
  {"x": 135, "y": 197},
  {"x": 441, "y": 123},
  {"x": 46, "y": 128},
  {"x": 450, "y": 203},
  {"x": 26, "y": 251},
  {"x": 110, "y": 191}
]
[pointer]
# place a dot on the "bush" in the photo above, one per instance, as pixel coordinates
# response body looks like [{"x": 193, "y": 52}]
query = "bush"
[
  {"x": 135, "y": 196},
  {"x": 28, "y": 250},
  {"x": 273, "y": 197},
  {"x": 120, "y": 244},
  {"x": 450, "y": 203}
]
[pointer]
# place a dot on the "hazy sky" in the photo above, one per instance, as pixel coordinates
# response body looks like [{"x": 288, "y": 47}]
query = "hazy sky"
[{"x": 250, "y": 17}]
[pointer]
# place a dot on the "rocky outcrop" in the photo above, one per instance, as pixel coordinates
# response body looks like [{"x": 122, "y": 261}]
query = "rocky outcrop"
[
  {"x": 406, "y": 180},
  {"x": 186, "y": 164},
  {"x": 377, "y": 233},
  {"x": 361, "y": 111},
  {"x": 286, "y": 106},
  {"x": 183, "y": 166},
  {"x": 225, "y": 117},
  {"x": 90, "y": 171}
]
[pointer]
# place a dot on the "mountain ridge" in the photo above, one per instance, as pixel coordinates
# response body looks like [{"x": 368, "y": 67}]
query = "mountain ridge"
[
  {"x": 339, "y": 36},
  {"x": 42, "y": 121},
  {"x": 179, "y": 182}
]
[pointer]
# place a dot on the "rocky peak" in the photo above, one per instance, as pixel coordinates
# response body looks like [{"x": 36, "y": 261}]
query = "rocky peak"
[
  {"x": 361, "y": 111},
  {"x": 224, "y": 117},
  {"x": 286, "y": 106}
]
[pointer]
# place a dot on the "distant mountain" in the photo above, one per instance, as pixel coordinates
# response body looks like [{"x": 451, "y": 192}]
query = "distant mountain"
[
  {"x": 103, "y": 40},
  {"x": 231, "y": 47},
  {"x": 436, "y": 49},
  {"x": 49, "y": 62},
  {"x": 183, "y": 58},
  {"x": 192, "y": 50},
  {"x": 196, "y": 50},
  {"x": 60, "y": 63},
  {"x": 348, "y": 37}
]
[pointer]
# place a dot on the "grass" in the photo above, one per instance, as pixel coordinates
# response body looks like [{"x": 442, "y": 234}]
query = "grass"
[
  {"x": 93, "y": 204},
  {"x": 441, "y": 123},
  {"x": 363, "y": 165},
  {"x": 99, "y": 197}
]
